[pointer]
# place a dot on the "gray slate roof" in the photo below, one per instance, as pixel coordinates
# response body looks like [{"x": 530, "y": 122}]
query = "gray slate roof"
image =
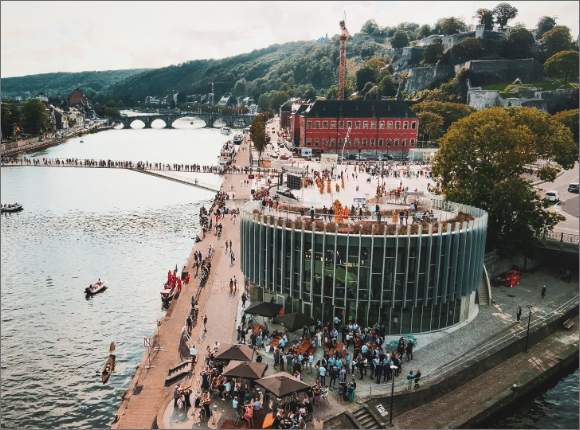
[{"x": 359, "y": 109}]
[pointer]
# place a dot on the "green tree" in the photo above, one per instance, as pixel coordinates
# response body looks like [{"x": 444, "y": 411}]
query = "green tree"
[
  {"x": 240, "y": 88},
  {"x": 386, "y": 87},
  {"x": 424, "y": 31},
  {"x": 480, "y": 163},
  {"x": 570, "y": 119},
  {"x": 486, "y": 18},
  {"x": 370, "y": 27},
  {"x": 55, "y": 101},
  {"x": 258, "y": 132},
  {"x": 430, "y": 125},
  {"x": 309, "y": 93},
  {"x": 545, "y": 24},
  {"x": 375, "y": 63},
  {"x": 556, "y": 40},
  {"x": 400, "y": 40},
  {"x": 450, "y": 112},
  {"x": 452, "y": 25},
  {"x": 562, "y": 65},
  {"x": 519, "y": 44},
  {"x": 278, "y": 99},
  {"x": 503, "y": 13},
  {"x": 364, "y": 75},
  {"x": 349, "y": 85},
  {"x": 120, "y": 104},
  {"x": 10, "y": 119},
  {"x": 110, "y": 104},
  {"x": 332, "y": 93},
  {"x": 34, "y": 117},
  {"x": 469, "y": 49},
  {"x": 264, "y": 102},
  {"x": 433, "y": 53}
]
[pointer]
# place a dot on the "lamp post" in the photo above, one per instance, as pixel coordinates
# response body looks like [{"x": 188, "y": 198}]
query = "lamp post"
[
  {"x": 343, "y": 145},
  {"x": 529, "y": 320},
  {"x": 393, "y": 368}
]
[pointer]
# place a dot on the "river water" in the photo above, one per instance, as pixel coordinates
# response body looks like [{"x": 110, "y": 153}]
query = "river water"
[{"x": 79, "y": 225}]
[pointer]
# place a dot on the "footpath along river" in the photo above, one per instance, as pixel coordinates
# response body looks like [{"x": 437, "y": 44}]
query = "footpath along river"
[{"x": 79, "y": 225}]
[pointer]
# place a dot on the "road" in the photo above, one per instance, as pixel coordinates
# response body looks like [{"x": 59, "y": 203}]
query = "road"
[{"x": 569, "y": 201}]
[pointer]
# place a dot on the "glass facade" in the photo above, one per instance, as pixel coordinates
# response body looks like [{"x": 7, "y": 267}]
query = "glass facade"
[{"x": 408, "y": 283}]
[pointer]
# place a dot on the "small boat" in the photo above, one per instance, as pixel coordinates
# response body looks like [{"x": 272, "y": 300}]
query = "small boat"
[
  {"x": 95, "y": 288},
  {"x": 12, "y": 208},
  {"x": 109, "y": 365},
  {"x": 238, "y": 139},
  {"x": 225, "y": 130},
  {"x": 167, "y": 294}
]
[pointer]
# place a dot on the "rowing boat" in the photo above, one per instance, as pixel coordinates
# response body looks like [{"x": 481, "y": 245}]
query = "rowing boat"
[{"x": 109, "y": 365}]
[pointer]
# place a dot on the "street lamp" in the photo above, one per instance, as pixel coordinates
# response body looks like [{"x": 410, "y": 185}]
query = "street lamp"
[
  {"x": 529, "y": 319},
  {"x": 343, "y": 145},
  {"x": 393, "y": 368}
]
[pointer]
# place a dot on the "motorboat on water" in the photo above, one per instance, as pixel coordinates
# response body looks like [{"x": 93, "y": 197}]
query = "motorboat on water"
[
  {"x": 167, "y": 293},
  {"x": 96, "y": 288},
  {"x": 227, "y": 153},
  {"x": 12, "y": 208},
  {"x": 238, "y": 139},
  {"x": 226, "y": 130}
]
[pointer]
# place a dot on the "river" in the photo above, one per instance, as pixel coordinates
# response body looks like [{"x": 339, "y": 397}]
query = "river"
[
  {"x": 554, "y": 406},
  {"x": 79, "y": 225}
]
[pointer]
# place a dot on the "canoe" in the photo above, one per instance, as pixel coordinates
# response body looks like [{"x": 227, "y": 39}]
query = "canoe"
[
  {"x": 108, "y": 368},
  {"x": 14, "y": 208},
  {"x": 96, "y": 288}
]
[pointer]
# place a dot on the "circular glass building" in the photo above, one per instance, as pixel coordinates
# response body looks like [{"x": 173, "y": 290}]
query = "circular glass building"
[{"x": 411, "y": 279}]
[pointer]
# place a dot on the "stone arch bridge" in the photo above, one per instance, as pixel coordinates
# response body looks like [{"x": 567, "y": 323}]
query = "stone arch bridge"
[{"x": 210, "y": 119}]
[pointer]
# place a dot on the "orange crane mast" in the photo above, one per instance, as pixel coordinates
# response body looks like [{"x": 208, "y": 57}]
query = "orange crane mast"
[{"x": 342, "y": 67}]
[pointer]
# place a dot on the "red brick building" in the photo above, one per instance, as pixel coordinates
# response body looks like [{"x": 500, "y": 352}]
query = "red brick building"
[
  {"x": 77, "y": 99},
  {"x": 375, "y": 125}
]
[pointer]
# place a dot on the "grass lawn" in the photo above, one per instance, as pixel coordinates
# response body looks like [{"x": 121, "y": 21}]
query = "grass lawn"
[{"x": 542, "y": 83}]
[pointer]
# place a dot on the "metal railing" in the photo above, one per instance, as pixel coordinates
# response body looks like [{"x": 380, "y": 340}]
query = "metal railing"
[
  {"x": 561, "y": 237},
  {"x": 473, "y": 356}
]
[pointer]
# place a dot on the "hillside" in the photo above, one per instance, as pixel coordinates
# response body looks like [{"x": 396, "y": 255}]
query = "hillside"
[
  {"x": 294, "y": 64},
  {"x": 62, "y": 84}
]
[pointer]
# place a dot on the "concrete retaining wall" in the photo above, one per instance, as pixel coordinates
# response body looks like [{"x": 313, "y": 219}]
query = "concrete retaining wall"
[
  {"x": 405, "y": 401},
  {"x": 496, "y": 267},
  {"x": 422, "y": 78}
]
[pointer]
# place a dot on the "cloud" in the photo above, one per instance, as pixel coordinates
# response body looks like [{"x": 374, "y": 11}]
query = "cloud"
[{"x": 42, "y": 37}]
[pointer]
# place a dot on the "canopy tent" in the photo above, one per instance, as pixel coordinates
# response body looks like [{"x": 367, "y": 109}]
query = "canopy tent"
[
  {"x": 313, "y": 201},
  {"x": 264, "y": 309},
  {"x": 245, "y": 369},
  {"x": 234, "y": 352},
  {"x": 282, "y": 384},
  {"x": 293, "y": 322}
]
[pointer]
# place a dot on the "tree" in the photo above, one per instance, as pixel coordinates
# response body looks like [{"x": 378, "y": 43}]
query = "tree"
[
  {"x": 545, "y": 24},
  {"x": 562, "y": 65},
  {"x": 349, "y": 85},
  {"x": 310, "y": 93},
  {"x": 370, "y": 27},
  {"x": 264, "y": 102},
  {"x": 386, "y": 87},
  {"x": 486, "y": 18},
  {"x": 368, "y": 49},
  {"x": 519, "y": 44},
  {"x": 10, "y": 119},
  {"x": 450, "y": 112},
  {"x": 258, "y": 132},
  {"x": 452, "y": 25},
  {"x": 424, "y": 31},
  {"x": 504, "y": 12},
  {"x": 240, "y": 88},
  {"x": 430, "y": 125},
  {"x": 332, "y": 93},
  {"x": 556, "y": 40},
  {"x": 278, "y": 99},
  {"x": 120, "y": 104},
  {"x": 480, "y": 163},
  {"x": 55, "y": 101},
  {"x": 110, "y": 104},
  {"x": 469, "y": 49},
  {"x": 364, "y": 75},
  {"x": 375, "y": 63},
  {"x": 400, "y": 40},
  {"x": 433, "y": 53},
  {"x": 171, "y": 104},
  {"x": 373, "y": 93},
  {"x": 34, "y": 117},
  {"x": 570, "y": 119}
]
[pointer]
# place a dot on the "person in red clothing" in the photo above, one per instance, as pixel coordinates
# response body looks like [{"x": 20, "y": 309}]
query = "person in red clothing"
[
  {"x": 179, "y": 285},
  {"x": 169, "y": 276}
]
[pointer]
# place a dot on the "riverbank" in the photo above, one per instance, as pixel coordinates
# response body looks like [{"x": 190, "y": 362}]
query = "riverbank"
[{"x": 145, "y": 402}]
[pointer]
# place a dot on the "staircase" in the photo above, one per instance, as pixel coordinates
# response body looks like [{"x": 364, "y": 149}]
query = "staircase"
[
  {"x": 365, "y": 419},
  {"x": 483, "y": 292}
]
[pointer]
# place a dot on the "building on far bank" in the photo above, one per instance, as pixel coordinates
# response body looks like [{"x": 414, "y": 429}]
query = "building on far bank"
[
  {"x": 412, "y": 280},
  {"x": 77, "y": 99},
  {"x": 375, "y": 126},
  {"x": 42, "y": 97}
]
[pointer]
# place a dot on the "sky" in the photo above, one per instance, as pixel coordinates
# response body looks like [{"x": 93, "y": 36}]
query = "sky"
[{"x": 43, "y": 37}]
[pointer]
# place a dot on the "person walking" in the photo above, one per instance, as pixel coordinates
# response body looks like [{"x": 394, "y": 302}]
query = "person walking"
[
  {"x": 205, "y": 323},
  {"x": 189, "y": 324},
  {"x": 244, "y": 298},
  {"x": 333, "y": 377},
  {"x": 519, "y": 314},
  {"x": 543, "y": 292},
  {"x": 235, "y": 284},
  {"x": 322, "y": 372},
  {"x": 232, "y": 258},
  {"x": 231, "y": 286},
  {"x": 409, "y": 350}
]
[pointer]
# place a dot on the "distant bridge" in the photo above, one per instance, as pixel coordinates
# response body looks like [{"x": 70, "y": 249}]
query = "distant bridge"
[{"x": 210, "y": 119}]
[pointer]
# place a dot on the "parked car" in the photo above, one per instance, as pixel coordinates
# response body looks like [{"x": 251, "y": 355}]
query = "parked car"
[
  {"x": 285, "y": 192},
  {"x": 284, "y": 157},
  {"x": 573, "y": 187}
]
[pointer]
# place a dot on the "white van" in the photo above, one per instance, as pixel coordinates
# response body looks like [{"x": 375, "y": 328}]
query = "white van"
[{"x": 553, "y": 196}]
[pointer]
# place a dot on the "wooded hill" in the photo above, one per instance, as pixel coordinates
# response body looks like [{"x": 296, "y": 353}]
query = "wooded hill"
[{"x": 61, "y": 84}]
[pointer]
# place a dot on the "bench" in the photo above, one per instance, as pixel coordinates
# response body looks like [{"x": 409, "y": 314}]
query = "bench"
[{"x": 568, "y": 324}]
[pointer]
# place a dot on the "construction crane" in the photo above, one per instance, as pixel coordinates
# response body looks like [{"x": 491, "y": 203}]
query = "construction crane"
[
  {"x": 342, "y": 67},
  {"x": 212, "y": 91}
]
